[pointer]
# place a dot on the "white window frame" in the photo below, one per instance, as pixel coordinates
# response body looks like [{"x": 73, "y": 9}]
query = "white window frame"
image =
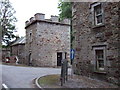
[
  {"x": 104, "y": 57},
  {"x": 93, "y": 12}
]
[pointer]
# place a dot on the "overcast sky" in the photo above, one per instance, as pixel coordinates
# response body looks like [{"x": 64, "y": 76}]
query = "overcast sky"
[{"x": 27, "y": 8}]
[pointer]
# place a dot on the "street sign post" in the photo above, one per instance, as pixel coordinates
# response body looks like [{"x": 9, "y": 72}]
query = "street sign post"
[{"x": 72, "y": 54}]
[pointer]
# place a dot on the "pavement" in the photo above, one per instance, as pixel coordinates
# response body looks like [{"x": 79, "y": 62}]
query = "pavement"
[
  {"x": 0, "y": 77},
  {"x": 78, "y": 81},
  {"x": 23, "y": 77}
]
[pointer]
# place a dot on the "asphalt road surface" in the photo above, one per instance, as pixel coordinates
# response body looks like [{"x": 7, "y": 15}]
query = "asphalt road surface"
[
  {"x": 0, "y": 76},
  {"x": 22, "y": 77}
]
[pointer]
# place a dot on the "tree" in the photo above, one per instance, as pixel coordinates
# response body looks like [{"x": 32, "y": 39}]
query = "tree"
[
  {"x": 65, "y": 9},
  {"x": 7, "y": 21}
]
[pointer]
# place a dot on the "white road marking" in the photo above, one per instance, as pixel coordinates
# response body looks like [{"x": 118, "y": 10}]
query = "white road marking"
[{"x": 5, "y": 86}]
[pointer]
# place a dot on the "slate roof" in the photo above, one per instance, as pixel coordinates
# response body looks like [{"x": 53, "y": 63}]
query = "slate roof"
[{"x": 21, "y": 40}]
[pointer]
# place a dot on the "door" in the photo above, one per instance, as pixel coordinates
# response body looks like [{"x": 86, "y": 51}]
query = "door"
[
  {"x": 29, "y": 62},
  {"x": 59, "y": 58}
]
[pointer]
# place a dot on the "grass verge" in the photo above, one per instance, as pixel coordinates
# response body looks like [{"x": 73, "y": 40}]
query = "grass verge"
[{"x": 49, "y": 81}]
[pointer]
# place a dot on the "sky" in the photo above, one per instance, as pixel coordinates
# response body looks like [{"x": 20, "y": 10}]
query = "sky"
[{"x": 26, "y": 9}]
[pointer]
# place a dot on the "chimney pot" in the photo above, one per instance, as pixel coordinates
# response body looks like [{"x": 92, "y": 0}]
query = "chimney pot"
[
  {"x": 27, "y": 22},
  {"x": 32, "y": 19}
]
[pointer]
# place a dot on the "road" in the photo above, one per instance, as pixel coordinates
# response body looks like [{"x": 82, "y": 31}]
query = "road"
[
  {"x": 22, "y": 77},
  {"x": 0, "y": 76}
]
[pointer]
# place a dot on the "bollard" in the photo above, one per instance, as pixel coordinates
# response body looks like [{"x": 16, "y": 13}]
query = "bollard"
[
  {"x": 64, "y": 71},
  {"x": 61, "y": 78}
]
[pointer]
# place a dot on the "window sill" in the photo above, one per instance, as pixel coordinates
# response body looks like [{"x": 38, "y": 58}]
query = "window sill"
[
  {"x": 100, "y": 72},
  {"x": 97, "y": 26}
]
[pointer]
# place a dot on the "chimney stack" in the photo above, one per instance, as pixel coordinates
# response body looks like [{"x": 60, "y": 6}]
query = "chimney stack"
[
  {"x": 54, "y": 18},
  {"x": 32, "y": 19},
  {"x": 66, "y": 21},
  {"x": 39, "y": 16},
  {"x": 26, "y": 23}
]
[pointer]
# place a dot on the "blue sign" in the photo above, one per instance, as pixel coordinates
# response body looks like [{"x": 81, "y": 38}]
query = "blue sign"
[{"x": 72, "y": 54}]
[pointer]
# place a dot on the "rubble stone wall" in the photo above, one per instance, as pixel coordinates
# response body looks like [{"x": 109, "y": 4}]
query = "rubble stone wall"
[
  {"x": 19, "y": 51},
  {"x": 87, "y": 37},
  {"x": 47, "y": 38}
]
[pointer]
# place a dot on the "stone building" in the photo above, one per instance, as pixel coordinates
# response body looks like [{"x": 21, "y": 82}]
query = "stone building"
[
  {"x": 47, "y": 40},
  {"x": 18, "y": 49},
  {"x": 5, "y": 53},
  {"x": 97, "y": 40}
]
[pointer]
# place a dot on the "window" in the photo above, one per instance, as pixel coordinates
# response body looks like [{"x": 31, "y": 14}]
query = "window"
[
  {"x": 30, "y": 37},
  {"x": 100, "y": 58},
  {"x": 97, "y": 11},
  {"x": 98, "y": 14}
]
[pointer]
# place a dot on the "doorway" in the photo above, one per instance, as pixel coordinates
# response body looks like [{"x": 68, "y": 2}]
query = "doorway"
[
  {"x": 29, "y": 63},
  {"x": 59, "y": 58}
]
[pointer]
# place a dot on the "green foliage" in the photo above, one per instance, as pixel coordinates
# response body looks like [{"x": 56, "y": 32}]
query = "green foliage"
[
  {"x": 65, "y": 9},
  {"x": 7, "y": 21}
]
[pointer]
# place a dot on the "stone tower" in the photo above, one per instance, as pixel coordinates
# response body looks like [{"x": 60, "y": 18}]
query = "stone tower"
[{"x": 47, "y": 40}]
